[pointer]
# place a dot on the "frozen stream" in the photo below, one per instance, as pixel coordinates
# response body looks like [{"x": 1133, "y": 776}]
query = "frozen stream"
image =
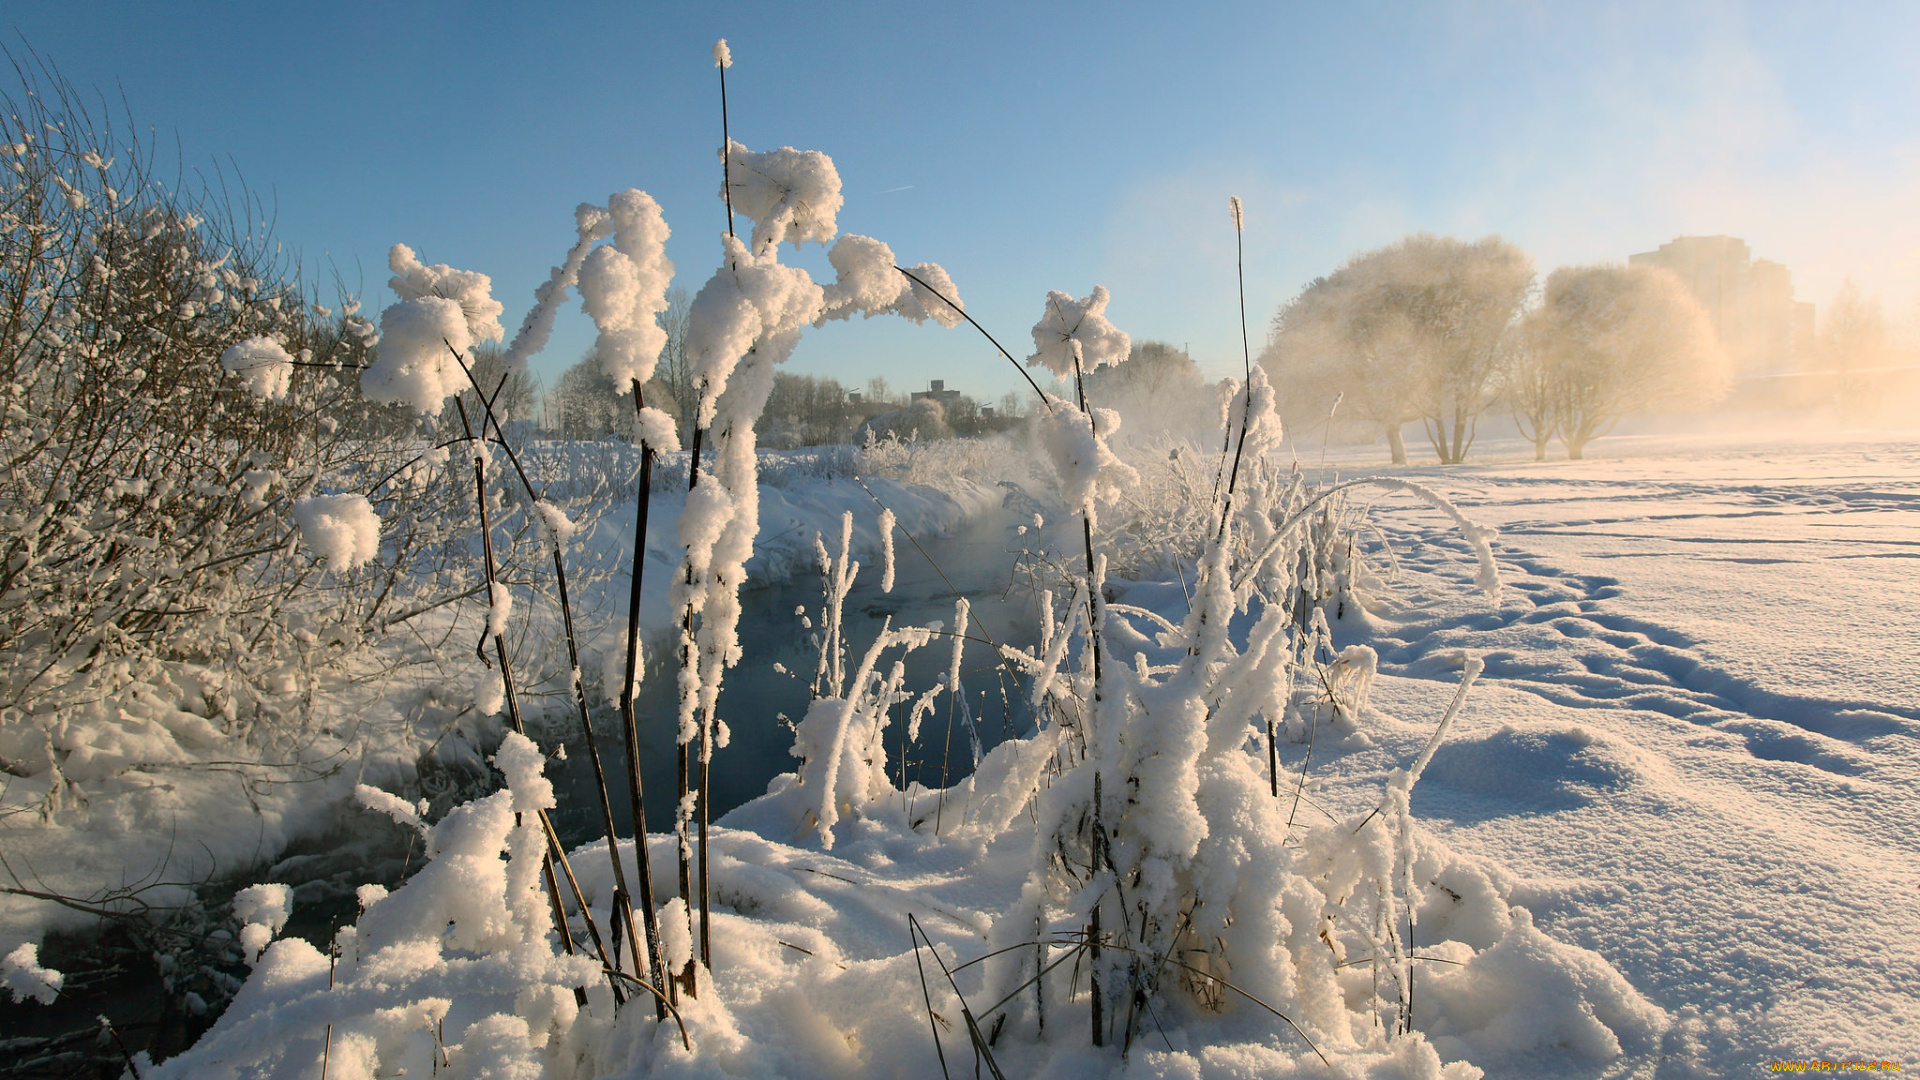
[{"x": 979, "y": 562}]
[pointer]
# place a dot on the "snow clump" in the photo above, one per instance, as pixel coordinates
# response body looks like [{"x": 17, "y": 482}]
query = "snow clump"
[
  {"x": 414, "y": 363},
  {"x": 263, "y": 363},
  {"x": 590, "y": 224},
  {"x": 790, "y": 194},
  {"x": 341, "y": 529},
  {"x": 23, "y": 977},
  {"x": 1075, "y": 444},
  {"x": 442, "y": 311},
  {"x": 868, "y": 281},
  {"x": 262, "y": 912},
  {"x": 1077, "y": 329},
  {"x": 413, "y": 280},
  {"x": 623, "y": 286}
]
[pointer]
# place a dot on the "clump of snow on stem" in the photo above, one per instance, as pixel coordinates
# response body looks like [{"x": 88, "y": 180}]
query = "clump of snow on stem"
[
  {"x": 341, "y": 529},
  {"x": 261, "y": 911},
  {"x": 749, "y": 303},
  {"x": 865, "y": 280},
  {"x": 868, "y": 281},
  {"x": 886, "y": 550},
  {"x": 414, "y": 363},
  {"x": 441, "y": 312},
  {"x": 1075, "y": 444},
  {"x": 262, "y": 363},
  {"x": 657, "y": 430},
  {"x": 920, "y": 301},
  {"x": 790, "y": 194},
  {"x": 472, "y": 290},
  {"x": 555, "y": 525},
  {"x": 1068, "y": 322},
  {"x": 500, "y": 606},
  {"x": 623, "y": 286},
  {"x": 590, "y": 224},
  {"x": 722, "y": 56},
  {"x": 24, "y": 978},
  {"x": 395, "y": 807},
  {"x": 613, "y": 666}
]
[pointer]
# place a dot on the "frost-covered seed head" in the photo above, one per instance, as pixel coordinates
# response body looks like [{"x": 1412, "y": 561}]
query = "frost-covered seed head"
[
  {"x": 789, "y": 194},
  {"x": 414, "y": 364},
  {"x": 1071, "y": 328},
  {"x": 472, "y": 290}
]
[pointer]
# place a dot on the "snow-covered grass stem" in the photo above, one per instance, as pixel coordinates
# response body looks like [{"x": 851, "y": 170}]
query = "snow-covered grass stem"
[
  {"x": 1246, "y": 351},
  {"x": 579, "y": 689},
  {"x": 629, "y": 722}
]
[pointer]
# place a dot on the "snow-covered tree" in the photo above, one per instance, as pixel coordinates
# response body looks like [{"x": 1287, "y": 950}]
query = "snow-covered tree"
[
  {"x": 583, "y": 404},
  {"x": 1853, "y": 338},
  {"x": 1608, "y": 340},
  {"x": 1157, "y": 389},
  {"x": 1418, "y": 330}
]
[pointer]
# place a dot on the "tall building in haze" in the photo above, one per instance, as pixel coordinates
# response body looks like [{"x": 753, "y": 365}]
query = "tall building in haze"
[{"x": 1763, "y": 328}]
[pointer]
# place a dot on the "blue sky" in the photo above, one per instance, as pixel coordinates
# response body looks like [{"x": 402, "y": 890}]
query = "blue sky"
[{"x": 1034, "y": 149}]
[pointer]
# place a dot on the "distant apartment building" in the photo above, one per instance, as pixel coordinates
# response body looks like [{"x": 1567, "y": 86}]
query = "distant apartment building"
[
  {"x": 939, "y": 393},
  {"x": 1763, "y": 328}
]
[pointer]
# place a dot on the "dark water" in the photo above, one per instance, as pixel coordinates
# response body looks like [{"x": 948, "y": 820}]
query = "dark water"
[{"x": 979, "y": 563}]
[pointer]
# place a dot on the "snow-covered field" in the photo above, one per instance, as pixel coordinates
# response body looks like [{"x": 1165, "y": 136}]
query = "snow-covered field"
[
  {"x": 1698, "y": 736},
  {"x": 1691, "y": 759}
]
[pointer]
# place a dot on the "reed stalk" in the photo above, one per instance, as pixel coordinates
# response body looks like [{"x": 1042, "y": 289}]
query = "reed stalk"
[
  {"x": 630, "y": 724},
  {"x": 500, "y": 647}
]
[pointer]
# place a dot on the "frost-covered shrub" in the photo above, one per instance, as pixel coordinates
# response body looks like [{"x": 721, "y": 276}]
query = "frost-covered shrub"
[{"x": 171, "y": 394}]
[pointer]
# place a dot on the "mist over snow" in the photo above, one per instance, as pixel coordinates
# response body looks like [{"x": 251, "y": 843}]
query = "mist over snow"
[{"x": 1620, "y": 130}]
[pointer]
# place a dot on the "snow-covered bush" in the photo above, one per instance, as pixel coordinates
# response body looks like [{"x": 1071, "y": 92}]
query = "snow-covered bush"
[{"x": 170, "y": 394}]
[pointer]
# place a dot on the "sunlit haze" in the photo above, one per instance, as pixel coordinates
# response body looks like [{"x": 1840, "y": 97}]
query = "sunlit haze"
[{"x": 1033, "y": 149}]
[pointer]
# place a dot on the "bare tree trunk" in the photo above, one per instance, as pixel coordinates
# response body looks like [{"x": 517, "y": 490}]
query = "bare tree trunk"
[{"x": 1397, "y": 445}]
